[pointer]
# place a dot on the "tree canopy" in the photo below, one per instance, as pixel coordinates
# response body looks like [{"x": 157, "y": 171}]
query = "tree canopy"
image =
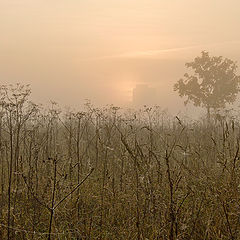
[{"x": 213, "y": 83}]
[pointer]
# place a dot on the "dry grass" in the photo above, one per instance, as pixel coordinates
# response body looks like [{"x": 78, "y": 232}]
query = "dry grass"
[{"x": 154, "y": 177}]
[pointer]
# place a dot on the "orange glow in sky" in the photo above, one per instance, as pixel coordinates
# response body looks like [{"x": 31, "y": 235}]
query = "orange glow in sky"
[{"x": 72, "y": 50}]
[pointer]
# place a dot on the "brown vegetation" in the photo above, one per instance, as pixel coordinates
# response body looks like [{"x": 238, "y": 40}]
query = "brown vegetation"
[{"x": 104, "y": 174}]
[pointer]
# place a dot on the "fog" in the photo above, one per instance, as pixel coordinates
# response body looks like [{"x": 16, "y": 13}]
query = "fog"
[{"x": 69, "y": 51}]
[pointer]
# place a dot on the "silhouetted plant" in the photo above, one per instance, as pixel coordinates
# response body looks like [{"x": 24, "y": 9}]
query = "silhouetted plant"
[{"x": 213, "y": 84}]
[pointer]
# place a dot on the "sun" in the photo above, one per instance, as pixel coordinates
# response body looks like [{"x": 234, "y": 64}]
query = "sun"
[{"x": 125, "y": 86}]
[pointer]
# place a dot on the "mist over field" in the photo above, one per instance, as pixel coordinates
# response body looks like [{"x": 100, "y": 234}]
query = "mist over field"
[
  {"x": 119, "y": 119},
  {"x": 101, "y": 50}
]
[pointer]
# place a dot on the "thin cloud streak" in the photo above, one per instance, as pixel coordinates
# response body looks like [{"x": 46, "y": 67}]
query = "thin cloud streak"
[
  {"x": 157, "y": 53},
  {"x": 149, "y": 53},
  {"x": 141, "y": 54}
]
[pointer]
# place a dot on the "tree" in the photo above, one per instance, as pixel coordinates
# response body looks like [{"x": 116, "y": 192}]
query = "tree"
[{"x": 213, "y": 84}]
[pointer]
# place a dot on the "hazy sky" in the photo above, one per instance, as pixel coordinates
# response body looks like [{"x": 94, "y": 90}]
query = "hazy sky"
[{"x": 70, "y": 50}]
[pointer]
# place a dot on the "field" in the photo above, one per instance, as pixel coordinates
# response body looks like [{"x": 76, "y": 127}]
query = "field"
[{"x": 113, "y": 174}]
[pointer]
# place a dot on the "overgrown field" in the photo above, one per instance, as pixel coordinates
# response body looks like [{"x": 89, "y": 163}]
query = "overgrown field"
[{"x": 110, "y": 174}]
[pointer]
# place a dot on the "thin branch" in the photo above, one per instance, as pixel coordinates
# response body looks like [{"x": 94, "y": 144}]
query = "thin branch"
[{"x": 56, "y": 205}]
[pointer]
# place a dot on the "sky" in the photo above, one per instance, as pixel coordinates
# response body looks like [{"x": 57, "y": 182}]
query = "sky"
[{"x": 72, "y": 50}]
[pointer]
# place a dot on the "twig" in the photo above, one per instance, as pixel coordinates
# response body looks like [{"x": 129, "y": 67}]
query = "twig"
[{"x": 74, "y": 189}]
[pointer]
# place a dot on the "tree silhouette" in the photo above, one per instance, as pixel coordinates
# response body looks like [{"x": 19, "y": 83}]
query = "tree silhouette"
[{"x": 213, "y": 84}]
